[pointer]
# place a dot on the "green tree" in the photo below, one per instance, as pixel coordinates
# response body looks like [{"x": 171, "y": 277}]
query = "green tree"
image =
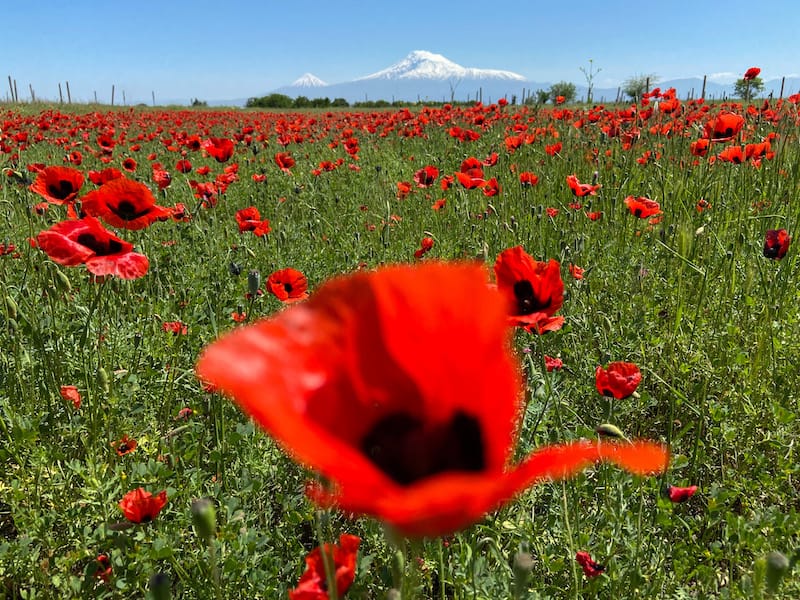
[
  {"x": 270, "y": 101},
  {"x": 634, "y": 87},
  {"x": 564, "y": 89},
  {"x": 748, "y": 88}
]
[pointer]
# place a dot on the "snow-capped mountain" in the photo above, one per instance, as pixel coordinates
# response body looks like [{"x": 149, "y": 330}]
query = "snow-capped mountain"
[
  {"x": 421, "y": 64},
  {"x": 308, "y": 80},
  {"x": 420, "y": 76}
]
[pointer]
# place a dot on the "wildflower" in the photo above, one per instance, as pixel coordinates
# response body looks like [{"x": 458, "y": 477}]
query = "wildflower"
[
  {"x": 528, "y": 179},
  {"x": 86, "y": 241},
  {"x": 680, "y": 494},
  {"x": 124, "y": 445},
  {"x": 642, "y": 207},
  {"x": 58, "y": 185},
  {"x": 221, "y": 149},
  {"x": 581, "y": 189},
  {"x": 589, "y": 566},
  {"x": 249, "y": 219},
  {"x": 174, "y": 327},
  {"x": 776, "y": 243},
  {"x": 534, "y": 290},
  {"x": 288, "y": 285},
  {"x": 102, "y": 568},
  {"x": 553, "y": 364},
  {"x": 70, "y": 393},
  {"x": 619, "y": 380},
  {"x": 140, "y": 506},
  {"x": 345, "y": 383},
  {"x": 124, "y": 203},
  {"x": 426, "y": 176},
  {"x": 424, "y": 247},
  {"x": 313, "y": 584},
  {"x": 575, "y": 271},
  {"x": 751, "y": 73}
]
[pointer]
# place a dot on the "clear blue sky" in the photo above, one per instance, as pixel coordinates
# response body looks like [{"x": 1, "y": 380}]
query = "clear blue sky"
[{"x": 225, "y": 50}]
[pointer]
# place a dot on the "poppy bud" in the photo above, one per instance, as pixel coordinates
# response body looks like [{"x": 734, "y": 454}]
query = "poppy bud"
[
  {"x": 102, "y": 379},
  {"x": 63, "y": 281},
  {"x": 204, "y": 519},
  {"x": 160, "y": 586},
  {"x": 777, "y": 566},
  {"x": 609, "y": 430},
  {"x": 253, "y": 282},
  {"x": 12, "y": 307},
  {"x": 523, "y": 565}
]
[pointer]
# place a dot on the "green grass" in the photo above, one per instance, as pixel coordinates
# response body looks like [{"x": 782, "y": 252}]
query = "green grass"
[{"x": 713, "y": 325}]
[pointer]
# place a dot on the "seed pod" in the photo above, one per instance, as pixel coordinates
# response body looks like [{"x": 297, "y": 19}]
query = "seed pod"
[{"x": 609, "y": 430}]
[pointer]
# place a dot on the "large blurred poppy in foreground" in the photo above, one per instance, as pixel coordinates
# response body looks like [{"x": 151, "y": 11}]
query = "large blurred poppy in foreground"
[{"x": 402, "y": 396}]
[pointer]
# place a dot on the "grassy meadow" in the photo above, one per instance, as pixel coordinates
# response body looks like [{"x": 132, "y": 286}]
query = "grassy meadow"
[{"x": 687, "y": 294}]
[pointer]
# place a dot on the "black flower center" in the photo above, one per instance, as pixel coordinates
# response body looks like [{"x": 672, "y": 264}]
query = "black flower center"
[
  {"x": 527, "y": 301},
  {"x": 287, "y": 287},
  {"x": 99, "y": 247},
  {"x": 407, "y": 450},
  {"x": 126, "y": 211},
  {"x": 61, "y": 190}
]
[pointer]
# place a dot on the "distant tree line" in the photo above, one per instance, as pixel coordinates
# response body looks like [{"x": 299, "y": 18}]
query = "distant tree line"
[{"x": 283, "y": 101}]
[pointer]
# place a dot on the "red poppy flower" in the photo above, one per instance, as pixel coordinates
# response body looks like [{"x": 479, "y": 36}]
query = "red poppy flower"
[
  {"x": 288, "y": 285},
  {"x": 473, "y": 167},
  {"x": 642, "y": 207},
  {"x": 124, "y": 445},
  {"x": 553, "y": 364},
  {"x": 776, "y": 243},
  {"x": 470, "y": 182},
  {"x": 724, "y": 127},
  {"x": 221, "y": 149},
  {"x": 680, "y": 494},
  {"x": 346, "y": 383},
  {"x": 594, "y": 216},
  {"x": 424, "y": 247},
  {"x": 104, "y": 176},
  {"x": 733, "y": 154},
  {"x": 403, "y": 189},
  {"x": 589, "y": 566},
  {"x": 581, "y": 189},
  {"x": 162, "y": 178},
  {"x": 426, "y": 176},
  {"x": 70, "y": 393},
  {"x": 140, "y": 506},
  {"x": 575, "y": 271},
  {"x": 86, "y": 241},
  {"x": 553, "y": 149},
  {"x": 285, "y": 161},
  {"x": 124, "y": 203},
  {"x": 129, "y": 164},
  {"x": 249, "y": 219},
  {"x": 439, "y": 204},
  {"x": 446, "y": 182},
  {"x": 552, "y": 212},
  {"x": 699, "y": 147},
  {"x": 491, "y": 187},
  {"x": 59, "y": 185},
  {"x": 528, "y": 179},
  {"x": 751, "y": 73},
  {"x": 102, "y": 568},
  {"x": 619, "y": 380},
  {"x": 533, "y": 290},
  {"x": 175, "y": 327},
  {"x": 313, "y": 584}
]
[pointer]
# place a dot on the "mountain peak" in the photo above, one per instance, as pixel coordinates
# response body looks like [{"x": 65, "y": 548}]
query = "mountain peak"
[
  {"x": 308, "y": 80},
  {"x": 421, "y": 64}
]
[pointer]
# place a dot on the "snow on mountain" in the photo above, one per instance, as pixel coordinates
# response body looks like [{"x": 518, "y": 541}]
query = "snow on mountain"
[
  {"x": 421, "y": 64},
  {"x": 307, "y": 80}
]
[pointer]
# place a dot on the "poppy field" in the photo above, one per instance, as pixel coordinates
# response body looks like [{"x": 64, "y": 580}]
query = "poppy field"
[{"x": 453, "y": 351}]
